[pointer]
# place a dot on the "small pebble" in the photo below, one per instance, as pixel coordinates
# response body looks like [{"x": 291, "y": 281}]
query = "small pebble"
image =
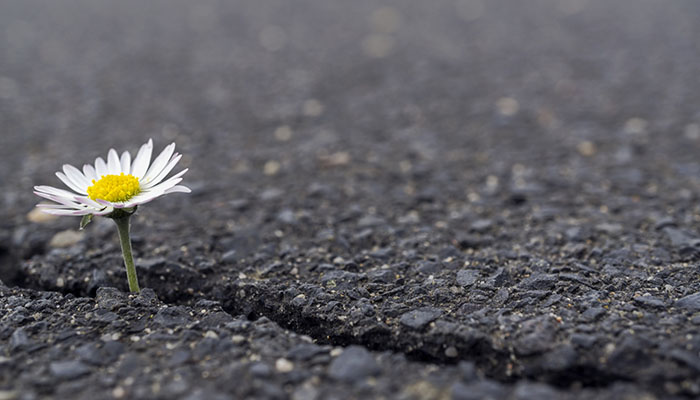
[
  {"x": 636, "y": 126},
  {"x": 586, "y": 148},
  {"x": 66, "y": 238},
  {"x": 39, "y": 217},
  {"x": 451, "y": 352},
  {"x": 283, "y": 133},
  {"x": 272, "y": 167},
  {"x": 312, "y": 108},
  {"x": 283, "y": 365},
  {"x": 507, "y": 106}
]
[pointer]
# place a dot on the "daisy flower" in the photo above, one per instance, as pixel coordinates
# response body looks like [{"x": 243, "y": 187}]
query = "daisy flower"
[
  {"x": 117, "y": 183},
  {"x": 114, "y": 189}
]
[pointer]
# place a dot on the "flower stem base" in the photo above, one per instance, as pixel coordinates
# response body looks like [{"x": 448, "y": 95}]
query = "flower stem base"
[{"x": 122, "y": 222}]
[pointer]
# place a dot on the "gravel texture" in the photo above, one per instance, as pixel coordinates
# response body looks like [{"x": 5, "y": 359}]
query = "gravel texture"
[{"x": 414, "y": 200}]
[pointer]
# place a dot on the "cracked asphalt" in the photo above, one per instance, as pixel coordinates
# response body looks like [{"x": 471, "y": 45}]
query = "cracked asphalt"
[{"x": 461, "y": 199}]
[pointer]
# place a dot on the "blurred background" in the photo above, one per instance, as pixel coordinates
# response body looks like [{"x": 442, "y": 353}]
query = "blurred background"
[{"x": 254, "y": 91}]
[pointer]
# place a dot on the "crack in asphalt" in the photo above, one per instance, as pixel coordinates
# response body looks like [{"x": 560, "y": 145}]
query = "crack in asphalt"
[{"x": 496, "y": 364}]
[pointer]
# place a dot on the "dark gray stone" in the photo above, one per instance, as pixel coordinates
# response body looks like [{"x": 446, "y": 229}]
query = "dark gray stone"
[
  {"x": 151, "y": 263},
  {"x": 260, "y": 370},
  {"x": 215, "y": 319},
  {"x": 561, "y": 358},
  {"x": 68, "y": 370},
  {"x": 649, "y": 302},
  {"x": 341, "y": 280},
  {"x": 384, "y": 253},
  {"x": 271, "y": 194},
  {"x": 287, "y": 216},
  {"x": 429, "y": 267},
  {"x": 539, "y": 282},
  {"x": 89, "y": 353},
  {"x": 370, "y": 221},
  {"x": 593, "y": 313},
  {"x": 690, "y": 302},
  {"x": 19, "y": 340},
  {"x": 498, "y": 279},
  {"x": 467, "y": 371},
  {"x": 680, "y": 238},
  {"x": 230, "y": 256},
  {"x": 111, "y": 350},
  {"x": 574, "y": 233},
  {"x": 629, "y": 354},
  {"x": 583, "y": 340},
  {"x": 467, "y": 277},
  {"x": 535, "y": 390},
  {"x": 110, "y": 298},
  {"x": 354, "y": 364},
  {"x": 418, "y": 319},
  {"x": 207, "y": 394},
  {"x": 382, "y": 276},
  {"x": 481, "y": 225},
  {"x": 98, "y": 279},
  {"x": 105, "y": 316},
  {"x": 687, "y": 245},
  {"x": 479, "y": 390},
  {"x": 171, "y": 317},
  {"x": 537, "y": 336},
  {"x": 687, "y": 358},
  {"x": 609, "y": 228},
  {"x": 472, "y": 241},
  {"x": 179, "y": 357},
  {"x": 305, "y": 351}
]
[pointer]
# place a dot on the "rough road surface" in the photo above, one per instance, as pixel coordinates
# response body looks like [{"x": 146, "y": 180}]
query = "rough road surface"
[{"x": 413, "y": 200}]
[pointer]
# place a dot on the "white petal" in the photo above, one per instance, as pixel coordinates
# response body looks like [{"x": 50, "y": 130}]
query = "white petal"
[
  {"x": 88, "y": 202},
  {"x": 76, "y": 181},
  {"x": 143, "y": 198},
  {"x": 105, "y": 203},
  {"x": 76, "y": 176},
  {"x": 143, "y": 158},
  {"x": 101, "y": 167},
  {"x": 106, "y": 211},
  {"x": 113, "y": 165},
  {"x": 55, "y": 191},
  {"x": 66, "y": 212},
  {"x": 179, "y": 174},
  {"x": 159, "y": 163},
  {"x": 61, "y": 200},
  {"x": 55, "y": 206},
  {"x": 89, "y": 172},
  {"x": 111, "y": 205},
  {"x": 171, "y": 164},
  {"x": 70, "y": 183},
  {"x": 178, "y": 189},
  {"x": 163, "y": 186},
  {"x": 126, "y": 162},
  {"x": 101, "y": 210}
]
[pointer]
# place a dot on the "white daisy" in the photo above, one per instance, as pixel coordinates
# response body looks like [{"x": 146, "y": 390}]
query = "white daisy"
[{"x": 115, "y": 184}]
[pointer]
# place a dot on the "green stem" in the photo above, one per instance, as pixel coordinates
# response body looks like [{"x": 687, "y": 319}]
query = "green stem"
[{"x": 125, "y": 240}]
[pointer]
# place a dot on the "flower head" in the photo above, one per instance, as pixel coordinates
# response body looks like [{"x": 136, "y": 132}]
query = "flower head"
[{"x": 115, "y": 184}]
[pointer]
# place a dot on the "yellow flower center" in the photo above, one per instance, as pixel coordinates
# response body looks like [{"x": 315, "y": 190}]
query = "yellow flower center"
[{"x": 114, "y": 188}]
